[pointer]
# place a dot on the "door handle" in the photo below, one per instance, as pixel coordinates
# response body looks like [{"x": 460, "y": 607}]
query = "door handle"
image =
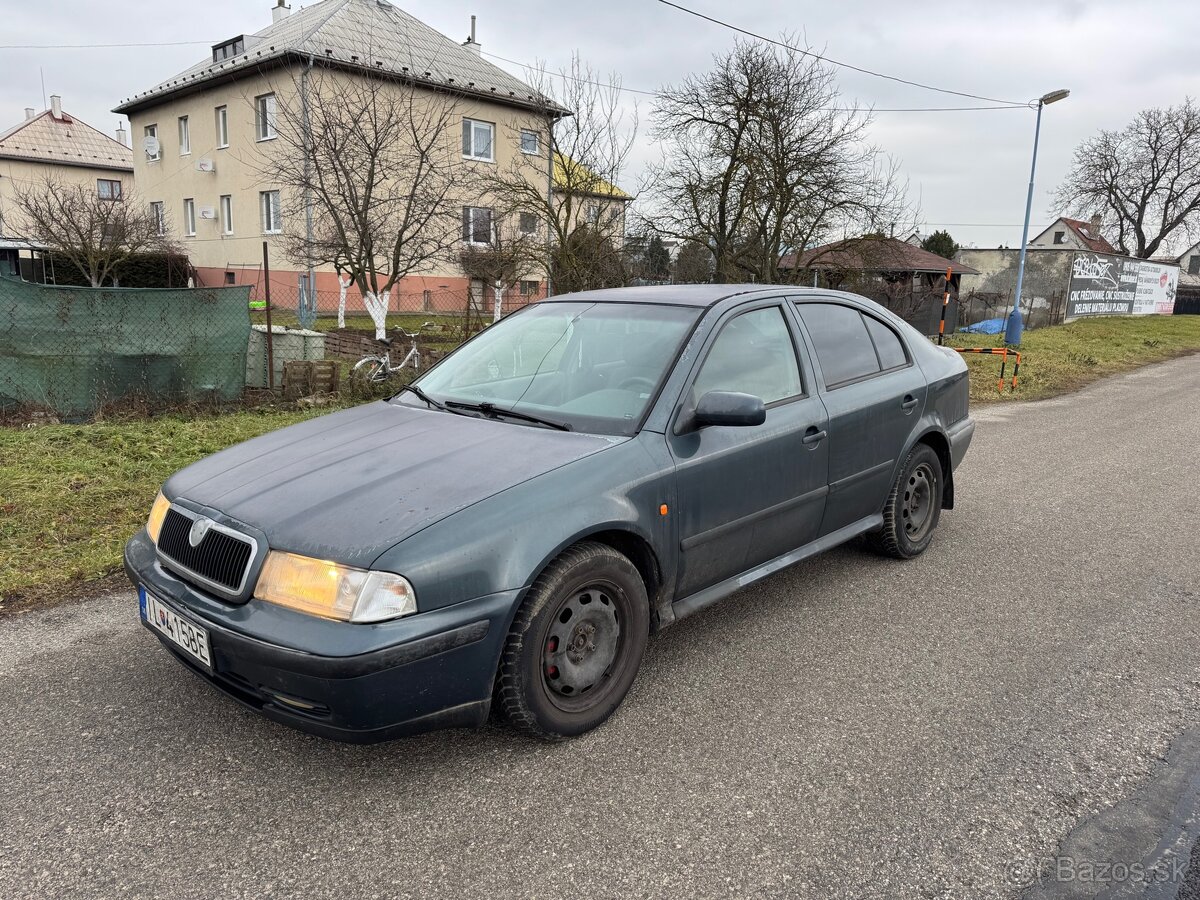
[
  {"x": 909, "y": 402},
  {"x": 812, "y": 437}
]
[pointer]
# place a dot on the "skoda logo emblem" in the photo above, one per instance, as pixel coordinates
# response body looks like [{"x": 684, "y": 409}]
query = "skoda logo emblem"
[{"x": 198, "y": 530}]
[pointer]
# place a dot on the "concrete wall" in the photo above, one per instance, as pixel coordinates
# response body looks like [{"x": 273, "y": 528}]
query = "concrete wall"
[{"x": 989, "y": 295}]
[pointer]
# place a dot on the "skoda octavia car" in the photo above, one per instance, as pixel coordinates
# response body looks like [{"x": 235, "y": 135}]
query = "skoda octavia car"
[{"x": 502, "y": 535}]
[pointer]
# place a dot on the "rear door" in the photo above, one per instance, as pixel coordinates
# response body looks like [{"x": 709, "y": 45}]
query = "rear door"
[
  {"x": 874, "y": 394},
  {"x": 746, "y": 495}
]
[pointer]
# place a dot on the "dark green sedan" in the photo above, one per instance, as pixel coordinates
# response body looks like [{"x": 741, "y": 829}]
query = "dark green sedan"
[{"x": 501, "y": 536}]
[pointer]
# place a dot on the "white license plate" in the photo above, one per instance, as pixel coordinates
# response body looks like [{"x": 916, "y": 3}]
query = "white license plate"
[{"x": 191, "y": 639}]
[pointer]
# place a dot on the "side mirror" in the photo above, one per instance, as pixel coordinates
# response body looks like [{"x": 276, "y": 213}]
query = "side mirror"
[{"x": 729, "y": 408}]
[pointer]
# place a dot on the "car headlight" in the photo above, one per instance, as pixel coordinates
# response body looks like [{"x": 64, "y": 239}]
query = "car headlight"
[
  {"x": 158, "y": 512},
  {"x": 322, "y": 588}
]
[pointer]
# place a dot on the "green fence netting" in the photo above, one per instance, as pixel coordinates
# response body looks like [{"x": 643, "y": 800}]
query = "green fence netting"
[{"x": 74, "y": 350}]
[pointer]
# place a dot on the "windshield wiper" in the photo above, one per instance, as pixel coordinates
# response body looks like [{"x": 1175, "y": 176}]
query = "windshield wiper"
[
  {"x": 420, "y": 395},
  {"x": 491, "y": 409}
]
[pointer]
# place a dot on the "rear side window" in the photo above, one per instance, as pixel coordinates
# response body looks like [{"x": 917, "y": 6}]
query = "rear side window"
[
  {"x": 887, "y": 345},
  {"x": 844, "y": 347}
]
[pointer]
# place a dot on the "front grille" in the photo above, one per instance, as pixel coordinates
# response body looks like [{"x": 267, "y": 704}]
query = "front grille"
[{"x": 220, "y": 558}]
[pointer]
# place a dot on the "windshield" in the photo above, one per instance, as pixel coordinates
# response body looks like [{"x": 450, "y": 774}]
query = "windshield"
[{"x": 591, "y": 366}]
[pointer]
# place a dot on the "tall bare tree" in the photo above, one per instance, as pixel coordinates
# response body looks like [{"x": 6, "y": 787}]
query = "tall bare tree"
[
  {"x": 1144, "y": 180},
  {"x": 95, "y": 234},
  {"x": 584, "y": 135},
  {"x": 760, "y": 157},
  {"x": 379, "y": 164}
]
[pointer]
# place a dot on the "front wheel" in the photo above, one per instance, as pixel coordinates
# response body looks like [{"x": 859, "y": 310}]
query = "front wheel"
[
  {"x": 575, "y": 645},
  {"x": 913, "y": 506},
  {"x": 370, "y": 368}
]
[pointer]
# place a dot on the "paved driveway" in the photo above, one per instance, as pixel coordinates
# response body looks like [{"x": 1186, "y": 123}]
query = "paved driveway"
[{"x": 851, "y": 727}]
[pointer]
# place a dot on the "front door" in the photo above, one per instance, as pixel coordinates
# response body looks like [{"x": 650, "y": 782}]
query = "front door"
[{"x": 746, "y": 495}]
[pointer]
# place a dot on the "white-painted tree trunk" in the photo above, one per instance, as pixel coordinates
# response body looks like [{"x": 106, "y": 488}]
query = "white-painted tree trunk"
[
  {"x": 498, "y": 292},
  {"x": 343, "y": 286},
  {"x": 377, "y": 306}
]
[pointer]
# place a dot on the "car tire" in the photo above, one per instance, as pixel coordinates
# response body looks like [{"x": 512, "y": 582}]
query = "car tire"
[
  {"x": 575, "y": 644},
  {"x": 913, "y": 507}
]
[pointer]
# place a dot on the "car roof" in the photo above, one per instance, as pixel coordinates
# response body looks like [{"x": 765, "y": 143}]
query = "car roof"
[{"x": 676, "y": 294}]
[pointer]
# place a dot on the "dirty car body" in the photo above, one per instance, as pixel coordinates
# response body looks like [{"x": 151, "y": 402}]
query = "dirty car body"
[{"x": 692, "y": 439}]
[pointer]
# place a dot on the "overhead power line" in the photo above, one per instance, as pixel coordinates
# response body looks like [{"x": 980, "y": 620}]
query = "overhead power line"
[
  {"x": 831, "y": 61},
  {"x": 100, "y": 46}
]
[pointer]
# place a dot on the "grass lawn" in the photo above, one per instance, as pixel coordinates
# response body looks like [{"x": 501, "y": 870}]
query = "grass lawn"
[
  {"x": 1066, "y": 357},
  {"x": 72, "y": 494}
]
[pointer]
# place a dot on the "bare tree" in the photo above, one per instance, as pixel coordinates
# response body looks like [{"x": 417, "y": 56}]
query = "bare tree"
[
  {"x": 95, "y": 234},
  {"x": 584, "y": 136},
  {"x": 510, "y": 256},
  {"x": 760, "y": 157},
  {"x": 378, "y": 163},
  {"x": 1144, "y": 180},
  {"x": 693, "y": 264}
]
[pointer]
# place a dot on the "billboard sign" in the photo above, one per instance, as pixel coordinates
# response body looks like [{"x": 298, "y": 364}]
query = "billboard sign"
[{"x": 1106, "y": 285}]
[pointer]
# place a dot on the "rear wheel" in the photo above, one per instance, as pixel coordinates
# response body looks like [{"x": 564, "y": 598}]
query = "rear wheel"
[
  {"x": 372, "y": 368},
  {"x": 575, "y": 645},
  {"x": 913, "y": 506}
]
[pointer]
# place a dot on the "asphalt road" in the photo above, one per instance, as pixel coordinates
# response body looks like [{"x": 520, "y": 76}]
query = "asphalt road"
[{"x": 854, "y": 727}]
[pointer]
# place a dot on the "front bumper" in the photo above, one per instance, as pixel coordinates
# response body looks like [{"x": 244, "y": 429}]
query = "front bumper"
[{"x": 347, "y": 682}]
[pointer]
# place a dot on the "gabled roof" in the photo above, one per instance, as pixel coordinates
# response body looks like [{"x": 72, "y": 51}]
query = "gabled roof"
[
  {"x": 66, "y": 141},
  {"x": 873, "y": 255},
  {"x": 369, "y": 35},
  {"x": 1091, "y": 239},
  {"x": 572, "y": 176}
]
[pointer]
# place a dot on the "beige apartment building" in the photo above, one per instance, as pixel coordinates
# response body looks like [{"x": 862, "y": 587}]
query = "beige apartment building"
[
  {"x": 203, "y": 139},
  {"x": 53, "y": 144}
]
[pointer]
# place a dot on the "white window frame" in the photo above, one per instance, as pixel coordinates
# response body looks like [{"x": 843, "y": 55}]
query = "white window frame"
[
  {"x": 226, "y": 214},
  {"x": 185, "y": 137},
  {"x": 189, "y": 217},
  {"x": 266, "y": 110},
  {"x": 469, "y": 136},
  {"x": 159, "y": 211},
  {"x": 270, "y": 207},
  {"x": 469, "y": 225},
  {"x": 537, "y": 142},
  {"x": 222, "y": 127},
  {"x": 152, "y": 131},
  {"x": 110, "y": 182},
  {"x": 592, "y": 212}
]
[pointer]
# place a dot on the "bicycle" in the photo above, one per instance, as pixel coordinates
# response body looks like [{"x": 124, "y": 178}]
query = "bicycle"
[{"x": 379, "y": 368}]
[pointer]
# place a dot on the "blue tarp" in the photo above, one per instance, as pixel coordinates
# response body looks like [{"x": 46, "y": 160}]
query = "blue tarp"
[{"x": 987, "y": 326}]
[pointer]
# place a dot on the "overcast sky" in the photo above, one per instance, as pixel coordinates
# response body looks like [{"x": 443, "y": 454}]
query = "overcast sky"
[{"x": 967, "y": 170}]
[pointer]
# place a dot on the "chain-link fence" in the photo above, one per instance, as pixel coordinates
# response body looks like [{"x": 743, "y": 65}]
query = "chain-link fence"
[{"x": 75, "y": 350}]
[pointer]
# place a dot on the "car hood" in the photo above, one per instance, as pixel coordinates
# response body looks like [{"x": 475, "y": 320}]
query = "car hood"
[{"x": 349, "y": 485}]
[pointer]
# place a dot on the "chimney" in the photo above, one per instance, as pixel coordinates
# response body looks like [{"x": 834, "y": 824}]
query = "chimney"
[
  {"x": 29, "y": 112},
  {"x": 470, "y": 43},
  {"x": 122, "y": 135},
  {"x": 1096, "y": 222},
  {"x": 280, "y": 11},
  {"x": 56, "y": 106}
]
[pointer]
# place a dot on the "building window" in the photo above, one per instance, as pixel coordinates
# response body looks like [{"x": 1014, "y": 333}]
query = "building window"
[
  {"x": 189, "y": 217},
  {"x": 226, "y": 214},
  {"x": 477, "y": 225},
  {"x": 1194, "y": 265},
  {"x": 228, "y": 50},
  {"x": 230, "y": 278},
  {"x": 477, "y": 140},
  {"x": 185, "y": 137},
  {"x": 530, "y": 288},
  {"x": 529, "y": 141},
  {"x": 272, "y": 219},
  {"x": 222, "y": 127},
  {"x": 592, "y": 213},
  {"x": 151, "y": 131},
  {"x": 529, "y": 223},
  {"x": 264, "y": 117},
  {"x": 108, "y": 189},
  {"x": 1060, "y": 237},
  {"x": 160, "y": 216}
]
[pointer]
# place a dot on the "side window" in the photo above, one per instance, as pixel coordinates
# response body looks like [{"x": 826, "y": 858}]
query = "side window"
[
  {"x": 753, "y": 354},
  {"x": 844, "y": 347},
  {"x": 887, "y": 345}
]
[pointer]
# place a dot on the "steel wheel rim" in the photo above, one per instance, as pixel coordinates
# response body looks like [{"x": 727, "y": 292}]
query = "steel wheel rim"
[
  {"x": 582, "y": 646},
  {"x": 916, "y": 507}
]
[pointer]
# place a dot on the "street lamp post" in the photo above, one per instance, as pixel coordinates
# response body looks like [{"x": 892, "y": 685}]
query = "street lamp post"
[{"x": 1015, "y": 327}]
